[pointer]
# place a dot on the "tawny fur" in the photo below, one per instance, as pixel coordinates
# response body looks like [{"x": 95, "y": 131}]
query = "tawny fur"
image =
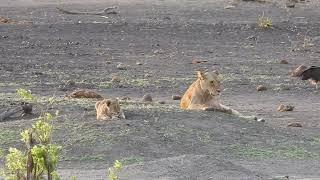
[
  {"x": 204, "y": 94},
  {"x": 108, "y": 109}
]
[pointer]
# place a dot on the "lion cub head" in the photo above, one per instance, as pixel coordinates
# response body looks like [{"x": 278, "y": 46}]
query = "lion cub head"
[
  {"x": 209, "y": 82},
  {"x": 109, "y": 109}
]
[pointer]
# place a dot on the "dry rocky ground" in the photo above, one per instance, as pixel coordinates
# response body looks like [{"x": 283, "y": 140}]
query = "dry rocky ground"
[{"x": 156, "y": 41}]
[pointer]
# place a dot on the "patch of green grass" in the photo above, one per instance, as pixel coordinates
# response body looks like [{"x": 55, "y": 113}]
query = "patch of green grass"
[
  {"x": 139, "y": 82},
  {"x": 105, "y": 85},
  {"x": 131, "y": 160},
  {"x": 316, "y": 141},
  {"x": 251, "y": 152},
  {"x": 178, "y": 80},
  {"x": 292, "y": 152},
  {"x": 9, "y": 136},
  {"x": 264, "y": 78}
]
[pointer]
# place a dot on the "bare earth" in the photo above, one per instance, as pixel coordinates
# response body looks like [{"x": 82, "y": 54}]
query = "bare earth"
[{"x": 46, "y": 48}]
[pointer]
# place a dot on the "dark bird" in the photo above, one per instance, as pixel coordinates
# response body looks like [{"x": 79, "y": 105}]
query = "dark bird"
[{"x": 312, "y": 74}]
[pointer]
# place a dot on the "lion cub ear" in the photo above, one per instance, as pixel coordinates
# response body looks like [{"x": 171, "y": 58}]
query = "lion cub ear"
[
  {"x": 216, "y": 72},
  {"x": 108, "y": 102},
  {"x": 201, "y": 75}
]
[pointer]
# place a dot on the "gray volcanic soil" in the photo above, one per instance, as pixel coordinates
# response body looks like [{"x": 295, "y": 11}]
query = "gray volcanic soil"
[{"x": 160, "y": 141}]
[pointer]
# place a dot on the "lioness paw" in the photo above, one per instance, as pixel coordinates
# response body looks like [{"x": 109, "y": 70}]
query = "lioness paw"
[
  {"x": 208, "y": 109},
  {"x": 249, "y": 117}
]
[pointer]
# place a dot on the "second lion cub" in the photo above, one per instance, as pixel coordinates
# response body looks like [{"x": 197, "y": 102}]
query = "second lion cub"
[
  {"x": 108, "y": 109},
  {"x": 204, "y": 94}
]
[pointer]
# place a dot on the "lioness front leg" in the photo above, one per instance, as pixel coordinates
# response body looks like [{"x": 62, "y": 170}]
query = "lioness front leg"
[
  {"x": 212, "y": 108},
  {"x": 196, "y": 106},
  {"x": 235, "y": 112}
]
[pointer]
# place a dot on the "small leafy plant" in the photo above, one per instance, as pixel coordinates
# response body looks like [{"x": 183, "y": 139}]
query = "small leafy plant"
[
  {"x": 114, "y": 170},
  {"x": 25, "y": 95},
  {"x": 40, "y": 156}
]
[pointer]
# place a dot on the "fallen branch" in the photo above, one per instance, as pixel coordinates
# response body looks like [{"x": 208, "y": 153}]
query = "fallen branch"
[
  {"x": 24, "y": 108},
  {"x": 109, "y": 10}
]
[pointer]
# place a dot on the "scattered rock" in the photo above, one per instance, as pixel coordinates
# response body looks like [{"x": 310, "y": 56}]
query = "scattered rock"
[
  {"x": 138, "y": 63},
  {"x": 82, "y": 93},
  {"x": 298, "y": 71},
  {"x": 261, "y": 120},
  {"x": 161, "y": 102},
  {"x": 115, "y": 79},
  {"x": 147, "y": 98},
  {"x": 290, "y": 4},
  {"x": 108, "y": 62},
  {"x": 158, "y": 51},
  {"x": 5, "y": 20},
  {"x": 261, "y": 88},
  {"x": 284, "y": 61},
  {"x": 229, "y": 7},
  {"x": 147, "y": 75},
  {"x": 176, "y": 97},
  {"x": 70, "y": 83},
  {"x": 121, "y": 66},
  {"x": 67, "y": 85},
  {"x": 284, "y": 87},
  {"x": 294, "y": 125},
  {"x": 283, "y": 108},
  {"x": 27, "y": 108},
  {"x": 198, "y": 61}
]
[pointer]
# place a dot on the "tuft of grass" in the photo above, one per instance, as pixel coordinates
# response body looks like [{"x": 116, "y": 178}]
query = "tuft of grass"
[
  {"x": 264, "y": 22},
  {"x": 98, "y": 157},
  {"x": 139, "y": 82},
  {"x": 251, "y": 152},
  {"x": 114, "y": 171},
  {"x": 316, "y": 141},
  {"x": 292, "y": 152},
  {"x": 131, "y": 160},
  {"x": 9, "y": 136}
]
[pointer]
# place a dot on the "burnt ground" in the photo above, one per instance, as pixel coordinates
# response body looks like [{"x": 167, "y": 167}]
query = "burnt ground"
[{"x": 44, "y": 48}]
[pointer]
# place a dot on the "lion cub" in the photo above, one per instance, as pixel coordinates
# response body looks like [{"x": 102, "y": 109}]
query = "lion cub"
[
  {"x": 204, "y": 94},
  {"x": 108, "y": 109}
]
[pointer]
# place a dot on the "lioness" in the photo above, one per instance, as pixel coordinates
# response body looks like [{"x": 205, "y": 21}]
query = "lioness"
[
  {"x": 108, "y": 109},
  {"x": 204, "y": 94}
]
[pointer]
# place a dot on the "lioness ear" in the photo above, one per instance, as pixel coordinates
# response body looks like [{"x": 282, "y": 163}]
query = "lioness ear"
[{"x": 201, "y": 75}]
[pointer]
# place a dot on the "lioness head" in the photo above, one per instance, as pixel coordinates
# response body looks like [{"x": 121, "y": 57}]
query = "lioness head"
[
  {"x": 109, "y": 109},
  {"x": 209, "y": 82}
]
